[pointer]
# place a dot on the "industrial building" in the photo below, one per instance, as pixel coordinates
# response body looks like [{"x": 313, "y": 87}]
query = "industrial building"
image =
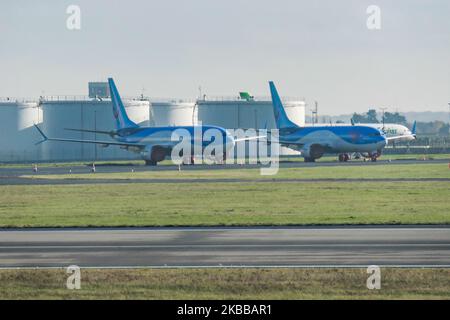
[{"x": 54, "y": 115}]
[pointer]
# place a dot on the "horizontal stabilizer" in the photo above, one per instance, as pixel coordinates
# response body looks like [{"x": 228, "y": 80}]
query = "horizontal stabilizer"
[
  {"x": 249, "y": 138},
  {"x": 405, "y": 136},
  {"x": 111, "y": 133}
]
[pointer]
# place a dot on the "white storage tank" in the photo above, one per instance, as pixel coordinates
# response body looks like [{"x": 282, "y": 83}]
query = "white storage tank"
[
  {"x": 219, "y": 113},
  {"x": 86, "y": 114},
  {"x": 172, "y": 113},
  {"x": 257, "y": 114},
  {"x": 17, "y": 133},
  {"x": 138, "y": 111},
  {"x": 8, "y": 130},
  {"x": 295, "y": 110}
]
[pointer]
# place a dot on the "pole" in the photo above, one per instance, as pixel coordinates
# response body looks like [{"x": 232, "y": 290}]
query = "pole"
[
  {"x": 449, "y": 117},
  {"x": 316, "y": 111},
  {"x": 382, "y": 119},
  {"x": 95, "y": 135}
]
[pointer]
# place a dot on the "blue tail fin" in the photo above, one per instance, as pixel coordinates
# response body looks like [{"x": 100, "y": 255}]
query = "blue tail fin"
[
  {"x": 281, "y": 117},
  {"x": 413, "y": 130},
  {"x": 120, "y": 115}
]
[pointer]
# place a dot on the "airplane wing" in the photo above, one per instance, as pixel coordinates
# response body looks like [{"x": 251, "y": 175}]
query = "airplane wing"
[
  {"x": 105, "y": 143},
  {"x": 160, "y": 141},
  {"x": 403, "y": 137}
]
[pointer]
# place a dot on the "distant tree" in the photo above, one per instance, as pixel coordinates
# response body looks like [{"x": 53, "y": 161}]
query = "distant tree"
[
  {"x": 359, "y": 118},
  {"x": 444, "y": 130},
  {"x": 432, "y": 128},
  {"x": 394, "y": 118},
  {"x": 340, "y": 121},
  {"x": 372, "y": 116}
]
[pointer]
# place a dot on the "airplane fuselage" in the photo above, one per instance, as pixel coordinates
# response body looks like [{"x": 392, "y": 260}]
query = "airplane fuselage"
[
  {"x": 337, "y": 139},
  {"x": 167, "y": 136},
  {"x": 389, "y": 129},
  {"x": 142, "y": 134}
]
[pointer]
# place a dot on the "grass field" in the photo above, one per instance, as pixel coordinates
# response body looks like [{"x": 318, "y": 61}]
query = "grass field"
[
  {"x": 210, "y": 204},
  {"x": 388, "y": 171},
  {"x": 69, "y": 164},
  {"x": 235, "y": 203},
  {"x": 257, "y": 284}
]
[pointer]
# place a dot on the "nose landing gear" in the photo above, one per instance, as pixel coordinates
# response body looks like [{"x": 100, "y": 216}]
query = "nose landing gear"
[{"x": 150, "y": 162}]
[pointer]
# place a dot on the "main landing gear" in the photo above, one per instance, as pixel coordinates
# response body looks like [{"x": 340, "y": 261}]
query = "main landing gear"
[
  {"x": 344, "y": 157},
  {"x": 374, "y": 155}
]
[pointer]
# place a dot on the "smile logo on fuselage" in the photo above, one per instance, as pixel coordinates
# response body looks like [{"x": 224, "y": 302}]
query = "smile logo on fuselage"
[{"x": 354, "y": 136}]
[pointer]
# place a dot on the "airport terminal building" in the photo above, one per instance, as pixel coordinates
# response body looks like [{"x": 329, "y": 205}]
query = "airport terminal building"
[{"x": 55, "y": 114}]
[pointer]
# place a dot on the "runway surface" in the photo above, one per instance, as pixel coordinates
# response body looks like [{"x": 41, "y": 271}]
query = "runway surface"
[{"x": 227, "y": 247}]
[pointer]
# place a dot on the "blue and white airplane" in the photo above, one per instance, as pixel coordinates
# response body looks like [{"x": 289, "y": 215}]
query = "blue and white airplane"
[
  {"x": 392, "y": 131},
  {"x": 153, "y": 143},
  {"x": 315, "y": 141}
]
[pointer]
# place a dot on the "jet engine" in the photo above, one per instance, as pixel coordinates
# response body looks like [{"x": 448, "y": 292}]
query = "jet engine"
[
  {"x": 312, "y": 152},
  {"x": 154, "y": 154}
]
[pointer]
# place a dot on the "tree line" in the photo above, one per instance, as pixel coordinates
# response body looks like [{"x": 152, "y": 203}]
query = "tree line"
[{"x": 439, "y": 128}]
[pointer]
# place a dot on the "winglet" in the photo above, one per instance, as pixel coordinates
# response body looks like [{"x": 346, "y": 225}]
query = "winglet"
[
  {"x": 413, "y": 130},
  {"x": 42, "y": 134}
]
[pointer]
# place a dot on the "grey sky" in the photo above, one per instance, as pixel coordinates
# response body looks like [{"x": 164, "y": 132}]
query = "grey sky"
[{"x": 320, "y": 50}]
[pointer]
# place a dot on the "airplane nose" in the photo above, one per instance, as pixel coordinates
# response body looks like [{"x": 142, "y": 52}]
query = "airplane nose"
[{"x": 383, "y": 142}]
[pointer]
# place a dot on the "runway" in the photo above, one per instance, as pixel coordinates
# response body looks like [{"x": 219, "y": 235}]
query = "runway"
[{"x": 410, "y": 246}]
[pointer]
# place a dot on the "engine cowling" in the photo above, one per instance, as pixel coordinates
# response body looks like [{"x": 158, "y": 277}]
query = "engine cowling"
[
  {"x": 154, "y": 153},
  {"x": 314, "y": 151}
]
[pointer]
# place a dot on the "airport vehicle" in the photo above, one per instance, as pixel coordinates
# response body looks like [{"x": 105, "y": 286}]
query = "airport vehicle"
[
  {"x": 154, "y": 144},
  {"x": 313, "y": 142}
]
